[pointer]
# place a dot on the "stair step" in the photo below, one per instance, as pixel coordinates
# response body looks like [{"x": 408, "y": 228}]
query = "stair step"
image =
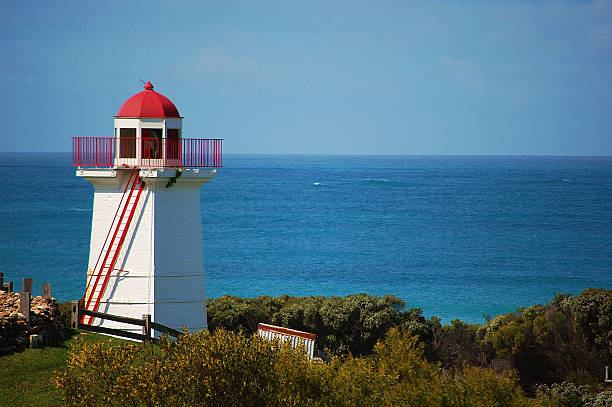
[{"x": 119, "y": 229}]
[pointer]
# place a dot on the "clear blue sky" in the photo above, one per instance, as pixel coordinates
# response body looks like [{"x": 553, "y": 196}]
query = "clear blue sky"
[{"x": 330, "y": 77}]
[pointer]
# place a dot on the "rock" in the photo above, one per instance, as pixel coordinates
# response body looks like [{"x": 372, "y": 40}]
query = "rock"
[{"x": 15, "y": 331}]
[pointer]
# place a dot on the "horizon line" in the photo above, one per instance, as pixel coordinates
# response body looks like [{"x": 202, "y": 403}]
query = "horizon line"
[{"x": 361, "y": 154}]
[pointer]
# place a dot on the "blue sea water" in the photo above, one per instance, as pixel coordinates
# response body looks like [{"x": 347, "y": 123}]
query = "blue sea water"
[{"x": 458, "y": 237}]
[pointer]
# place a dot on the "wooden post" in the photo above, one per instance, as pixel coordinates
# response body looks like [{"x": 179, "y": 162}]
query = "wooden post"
[
  {"x": 75, "y": 320},
  {"x": 146, "y": 328},
  {"x": 8, "y": 286},
  {"x": 24, "y": 304},
  {"x": 35, "y": 341},
  {"x": 27, "y": 285},
  {"x": 46, "y": 290},
  {"x": 1, "y": 280}
]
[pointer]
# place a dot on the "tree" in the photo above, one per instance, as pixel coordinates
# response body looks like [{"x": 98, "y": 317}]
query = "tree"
[{"x": 592, "y": 311}]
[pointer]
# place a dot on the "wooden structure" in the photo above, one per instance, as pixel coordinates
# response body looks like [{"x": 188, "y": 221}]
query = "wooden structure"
[
  {"x": 295, "y": 337},
  {"x": 145, "y": 323}
]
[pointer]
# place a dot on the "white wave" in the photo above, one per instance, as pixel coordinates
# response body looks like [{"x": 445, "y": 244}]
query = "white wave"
[
  {"x": 567, "y": 180},
  {"x": 316, "y": 183},
  {"x": 377, "y": 179}
]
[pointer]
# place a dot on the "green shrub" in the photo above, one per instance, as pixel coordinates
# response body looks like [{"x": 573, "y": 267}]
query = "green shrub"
[
  {"x": 602, "y": 399},
  {"x": 351, "y": 324},
  {"x": 473, "y": 386},
  {"x": 227, "y": 369},
  {"x": 385, "y": 355},
  {"x": 458, "y": 344},
  {"x": 545, "y": 344},
  {"x": 65, "y": 309},
  {"x": 566, "y": 393},
  {"x": 592, "y": 312},
  {"x": 199, "y": 369}
]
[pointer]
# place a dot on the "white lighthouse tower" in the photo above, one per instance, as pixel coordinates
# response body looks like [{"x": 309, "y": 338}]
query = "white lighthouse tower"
[{"x": 146, "y": 234}]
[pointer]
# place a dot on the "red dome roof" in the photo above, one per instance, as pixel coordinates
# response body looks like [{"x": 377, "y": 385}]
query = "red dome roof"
[{"x": 148, "y": 103}]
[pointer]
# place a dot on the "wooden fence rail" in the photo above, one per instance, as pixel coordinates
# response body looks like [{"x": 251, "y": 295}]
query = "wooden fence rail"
[{"x": 146, "y": 324}]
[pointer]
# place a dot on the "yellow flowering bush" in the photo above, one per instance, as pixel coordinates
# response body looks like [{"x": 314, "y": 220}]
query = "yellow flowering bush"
[{"x": 234, "y": 369}]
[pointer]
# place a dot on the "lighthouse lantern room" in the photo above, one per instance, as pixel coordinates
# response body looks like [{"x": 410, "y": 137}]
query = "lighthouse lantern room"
[{"x": 146, "y": 252}]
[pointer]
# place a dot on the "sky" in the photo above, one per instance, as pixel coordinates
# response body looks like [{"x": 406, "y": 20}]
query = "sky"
[{"x": 329, "y": 77}]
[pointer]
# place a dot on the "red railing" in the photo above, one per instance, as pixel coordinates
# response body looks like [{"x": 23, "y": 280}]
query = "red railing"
[{"x": 146, "y": 152}]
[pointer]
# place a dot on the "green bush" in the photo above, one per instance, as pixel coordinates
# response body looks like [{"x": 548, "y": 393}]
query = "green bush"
[
  {"x": 65, "y": 309},
  {"x": 549, "y": 344},
  {"x": 351, "y": 324},
  {"x": 592, "y": 312},
  {"x": 568, "y": 394},
  {"x": 568, "y": 339},
  {"x": 458, "y": 344},
  {"x": 221, "y": 369},
  {"x": 385, "y": 355},
  {"x": 602, "y": 399},
  {"x": 227, "y": 369}
]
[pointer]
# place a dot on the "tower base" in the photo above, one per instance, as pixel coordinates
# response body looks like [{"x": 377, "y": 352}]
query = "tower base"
[{"x": 160, "y": 267}]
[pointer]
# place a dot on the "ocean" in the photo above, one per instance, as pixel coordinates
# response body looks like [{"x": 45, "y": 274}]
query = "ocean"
[{"x": 457, "y": 236}]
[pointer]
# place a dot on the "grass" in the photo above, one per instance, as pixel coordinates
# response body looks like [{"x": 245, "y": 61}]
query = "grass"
[{"x": 26, "y": 377}]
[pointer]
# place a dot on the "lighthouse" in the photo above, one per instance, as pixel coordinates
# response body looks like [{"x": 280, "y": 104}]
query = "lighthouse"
[{"x": 146, "y": 254}]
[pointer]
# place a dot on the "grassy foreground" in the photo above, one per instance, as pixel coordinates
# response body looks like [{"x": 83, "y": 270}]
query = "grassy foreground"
[{"x": 25, "y": 377}]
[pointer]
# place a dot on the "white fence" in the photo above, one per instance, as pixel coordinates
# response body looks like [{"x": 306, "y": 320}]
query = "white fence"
[{"x": 296, "y": 338}]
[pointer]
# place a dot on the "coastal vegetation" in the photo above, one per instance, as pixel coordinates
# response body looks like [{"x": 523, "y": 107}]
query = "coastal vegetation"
[
  {"x": 234, "y": 369},
  {"x": 381, "y": 353},
  {"x": 569, "y": 339},
  {"x": 224, "y": 368}
]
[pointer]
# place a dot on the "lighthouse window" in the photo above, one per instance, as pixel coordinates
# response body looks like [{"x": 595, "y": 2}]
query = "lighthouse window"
[
  {"x": 127, "y": 143},
  {"x": 173, "y": 146},
  {"x": 151, "y": 143}
]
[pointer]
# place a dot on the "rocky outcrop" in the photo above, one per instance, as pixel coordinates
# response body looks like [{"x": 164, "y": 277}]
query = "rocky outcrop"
[{"x": 15, "y": 330}]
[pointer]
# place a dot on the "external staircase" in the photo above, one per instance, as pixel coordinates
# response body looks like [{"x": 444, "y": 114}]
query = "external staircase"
[{"x": 99, "y": 277}]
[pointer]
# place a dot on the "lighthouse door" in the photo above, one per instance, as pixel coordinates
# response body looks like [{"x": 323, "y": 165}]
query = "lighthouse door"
[{"x": 152, "y": 148}]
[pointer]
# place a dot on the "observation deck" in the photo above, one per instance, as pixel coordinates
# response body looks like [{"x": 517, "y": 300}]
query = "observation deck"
[{"x": 146, "y": 152}]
